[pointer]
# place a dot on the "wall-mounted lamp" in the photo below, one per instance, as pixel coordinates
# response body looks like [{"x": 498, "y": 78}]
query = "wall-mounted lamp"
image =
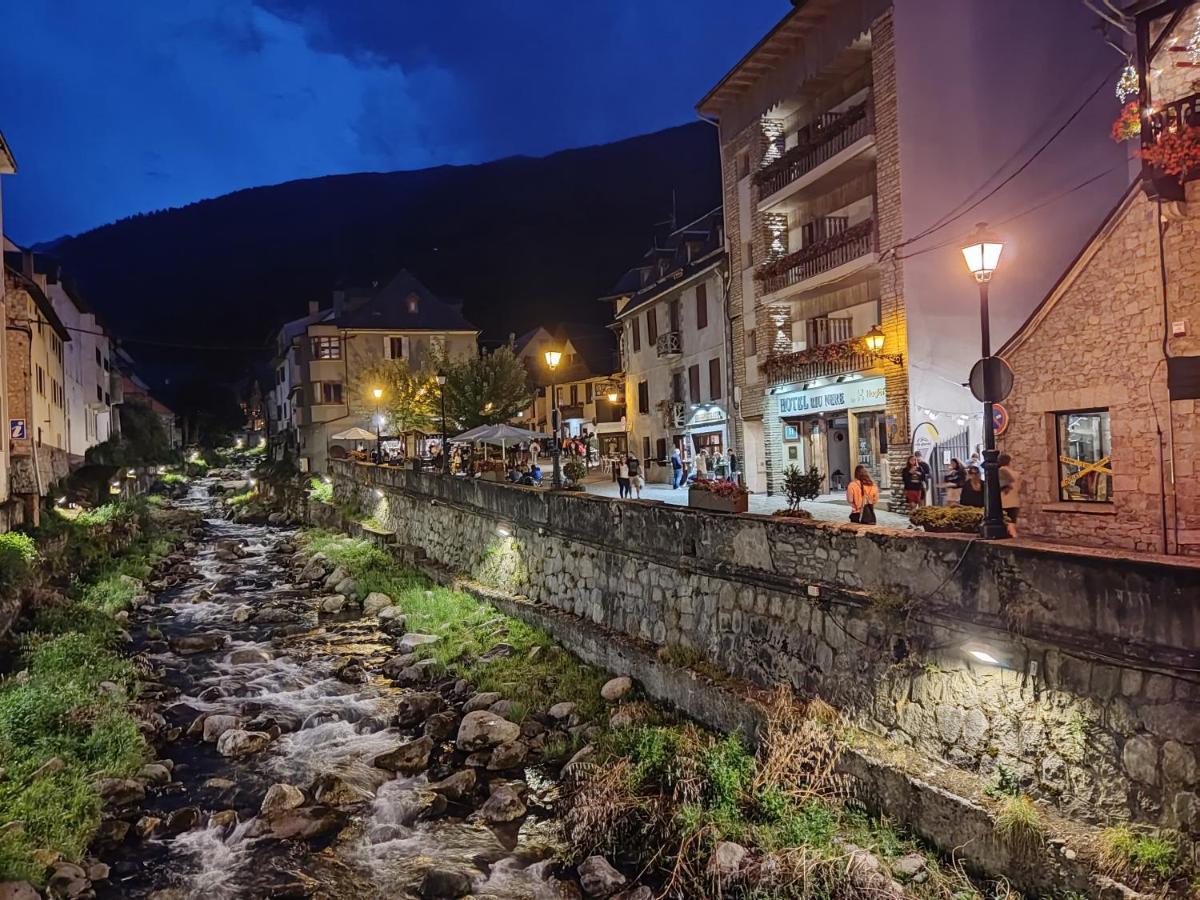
[
  {"x": 378, "y": 493},
  {"x": 503, "y": 531},
  {"x": 874, "y": 341},
  {"x": 989, "y": 655}
]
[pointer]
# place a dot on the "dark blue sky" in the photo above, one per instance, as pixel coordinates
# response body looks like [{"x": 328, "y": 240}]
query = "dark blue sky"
[{"x": 135, "y": 105}]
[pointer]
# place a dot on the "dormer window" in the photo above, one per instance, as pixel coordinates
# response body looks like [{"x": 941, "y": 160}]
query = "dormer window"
[{"x": 413, "y": 301}]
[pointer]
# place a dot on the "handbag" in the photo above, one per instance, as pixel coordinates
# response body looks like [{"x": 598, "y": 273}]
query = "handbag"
[{"x": 867, "y": 517}]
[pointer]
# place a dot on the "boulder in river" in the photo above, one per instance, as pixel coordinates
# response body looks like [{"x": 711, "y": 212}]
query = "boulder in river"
[
  {"x": 307, "y": 822},
  {"x": 441, "y": 726},
  {"x": 482, "y": 729},
  {"x": 508, "y": 755},
  {"x": 204, "y": 642},
  {"x": 333, "y": 603},
  {"x": 347, "y": 587},
  {"x": 331, "y": 789},
  {"x": 598, "y": 878},
  {"x": 375, "y": 603},
  {"x": 407, "y": 758},
  {"x": 236, "y": 742},
  {"x": 482, "y": 701},
  {"x": 180, "y": 820},
  {"x": 445, "y": 884},
  {"x": 248, "y": 656},
  {"x": 413, "y": 640},
  {"x": 120, "y": 791},
  {"x": 216, "y": 725},
  {"x": 280, "y": 798},
  {"x": 338, "y": 574},
  {"x": 505, "y": 805},
  {"x": 18, "y": 890},
  {"x": 456, "y": 787},
  {"x": 415, "y": 707}
]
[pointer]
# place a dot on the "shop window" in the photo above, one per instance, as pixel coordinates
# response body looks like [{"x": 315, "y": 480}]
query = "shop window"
[
  {"x": 1084, "y": 456},
  {"x": 701, "y": 306},
  {"x": 643, "y": 397},
  {"x": 326, "y": 348},
  {"x": 714, "y": 378}
]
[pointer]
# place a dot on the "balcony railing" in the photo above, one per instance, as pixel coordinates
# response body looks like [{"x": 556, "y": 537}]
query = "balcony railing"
[
  {"x": 818, "y": 362},
  {"x": 674, "y": 414},
  {"x": 856, "y": 241},
  {"x": 669, "y": 343},
  {"x": 1164, "y": 141},
  {"x": 818, "y": 144}
]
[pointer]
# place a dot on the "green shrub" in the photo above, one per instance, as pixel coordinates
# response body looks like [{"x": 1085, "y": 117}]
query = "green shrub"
[
  {"x": 320, "y": 490},
  {"x": 173, "y": 478},
  {"x": 958, "y": 519},
  {"x": 800, "y": 486},
  {"x": 575, "y": 470},
  {"x": 17, "y": 553},
  {"x": 1019, "y": 824},
  {"x": 1125, "y": 851}
]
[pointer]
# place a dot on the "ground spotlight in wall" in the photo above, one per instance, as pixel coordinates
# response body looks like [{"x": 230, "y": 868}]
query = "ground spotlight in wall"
[
  {"x": 979, "y": 652},
  {"x": 131, "y": 473},
  {"x": 378, "y": 493},
  {"x": 61, "y": 500},
  {"x": 327, "y": 479},
  {"x": 503, "y": 531},
  {"x": 250, "y": 482}
]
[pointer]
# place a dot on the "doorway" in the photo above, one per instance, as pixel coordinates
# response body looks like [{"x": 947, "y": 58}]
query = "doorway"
[{"x": 838, "y": 447}]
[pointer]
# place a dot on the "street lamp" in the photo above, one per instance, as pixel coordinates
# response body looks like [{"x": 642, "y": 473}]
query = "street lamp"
[
  {"x": 441, "y": 383},
  {"x": 553, "y": 357},
  {"x": 982, "y": 254},
  {"x": 874, "y": 340},
  {"x": 377, "y": 393}
]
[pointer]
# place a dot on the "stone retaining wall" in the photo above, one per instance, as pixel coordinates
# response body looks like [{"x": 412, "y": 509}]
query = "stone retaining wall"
[{"x": 1092, "y": 704}]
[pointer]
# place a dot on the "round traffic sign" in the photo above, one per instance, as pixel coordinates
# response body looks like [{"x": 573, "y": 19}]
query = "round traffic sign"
[
  {"x": 999, "y": 419},
  {"x": 991, "y": 375}
]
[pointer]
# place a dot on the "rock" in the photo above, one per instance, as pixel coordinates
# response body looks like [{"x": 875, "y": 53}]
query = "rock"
[
  {"x": 375, "y": 603},
  {"x": 394, "y": 665},
  {"x": 388, "y": 613},
  {"x": 441, "y": 726},
  {"x": 215, "y": 726},
  {"x": 407, "y": 758},
  {"x": 598, "y": 878},
  {"x": 482, "y": 729},
  {"x": 581, "y": 755},
  {"x": 333, "y": 603},
  {"x": 49, "y": 767},
  {"x": 417, "y": 706},
  {"x": 641, "y": 892},
  {"x": 97, "y": 871},
  {"x": 219, "y": 784},
  {"x": 155, "y": 773},
  {"x": 445, "y": 884},
  {"x": 18, "y": 890},
  {"x": 347, "y": 587},
  {"x": 458, "y": 786},
  {"x": 481, "y": 701},
  {"x": 307, "y": 822},
  {"x": 624, "y": 716},
  {"x": 614, "y": 690},
  {"x": 562, "y": 710},
  {"x": 337, "y": 575},
  {"x": 120, "y": 791},
  {"x": 505, "y": 805},
  {"x": 332, "y": 790},
  {"x": 413, "y": 640},
  {"x": 147, "y": 826},
  {"x": 180, "y": 820},
  {"x": 236, "y": 742},
  {"x": 280, "y": 798},
  {"x": 907, "y": 867},
  {"x": 1178, "y": 764},
  {"x": 503, "y": 708},
  {"x": 68, "y": 880},
  {"x": 248, "y": 656},
  {"x": 225, "y": 818},
  {"x": 725, "y": 859},
  {"x": 205, "y": 642},
  {"x": 508, "y": 755},
  {"x": 1140, "y": 757}
]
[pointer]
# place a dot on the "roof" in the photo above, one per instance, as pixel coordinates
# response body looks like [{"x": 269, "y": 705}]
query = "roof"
[
  {"x": 595, "y": 348},
  {"x": 390, "y": 310},
  {"x": 8, "y": 165},
  {"x": 1078, "y": 264},
  {"x": 40, "y": 300}
]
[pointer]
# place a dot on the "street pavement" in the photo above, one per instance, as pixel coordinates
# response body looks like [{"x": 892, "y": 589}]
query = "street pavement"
[{"x": 828, "y": 508}]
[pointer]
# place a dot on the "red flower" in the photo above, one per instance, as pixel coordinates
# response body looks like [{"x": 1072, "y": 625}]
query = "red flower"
[{"x": 1175, "y": 152}]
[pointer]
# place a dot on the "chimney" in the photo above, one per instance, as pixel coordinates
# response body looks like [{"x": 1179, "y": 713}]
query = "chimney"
[
  {"x": 27, "y": 264},
  {"x": 339, "y": 302},
  {"x": 314, "y": 307}
]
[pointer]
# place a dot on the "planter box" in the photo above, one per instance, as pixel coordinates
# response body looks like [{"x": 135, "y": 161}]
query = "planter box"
[
  {"x": 739, "y": 503},
  {"x": 492, "y": 476}
]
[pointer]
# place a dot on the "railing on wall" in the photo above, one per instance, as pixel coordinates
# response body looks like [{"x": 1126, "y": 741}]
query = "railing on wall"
[
  {"x": 857, "y": 240},
  {"x": 817, "y": 144}
]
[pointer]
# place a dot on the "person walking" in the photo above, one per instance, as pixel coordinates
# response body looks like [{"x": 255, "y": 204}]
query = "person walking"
[
  {"x": 623, "y": 479},
  {"x": 1010, "y": 492},
  {"x": 972, "y": 489},
  {"x": 636, "y": 481},
  {"x": 676, "y": 468},
  {"x": 928, "y": 473},
  {"x": 702, "y": 465},
  {"x": 955, "y": 478},
  {"x": 734, "y": 471},
  {"x": 913, "y": 478},
  {"x": 863, "y": 494}
]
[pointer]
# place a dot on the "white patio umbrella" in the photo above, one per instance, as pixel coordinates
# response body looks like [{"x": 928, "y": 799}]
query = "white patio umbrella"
[
  {"x": 498, "y": 434},
  {"x": 353, "y": 434}
]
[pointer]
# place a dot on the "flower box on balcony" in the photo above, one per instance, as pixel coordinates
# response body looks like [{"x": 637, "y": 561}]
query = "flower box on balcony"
[{"x": 720, "y": 496}]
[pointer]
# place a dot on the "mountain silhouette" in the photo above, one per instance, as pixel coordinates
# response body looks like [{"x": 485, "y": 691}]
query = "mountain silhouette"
[{"x": 520, "y": 241}]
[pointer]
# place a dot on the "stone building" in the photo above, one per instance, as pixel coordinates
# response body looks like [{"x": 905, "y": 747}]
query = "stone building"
[
  {"x": 670, "y": 317},
  {"x": 1103, "y": 424},
  {"x": 844, "y": 161},
  {"x": 591, "y": 393},
  {"x": 10, "y": 513},
  {"x": 322, "y": 356}
]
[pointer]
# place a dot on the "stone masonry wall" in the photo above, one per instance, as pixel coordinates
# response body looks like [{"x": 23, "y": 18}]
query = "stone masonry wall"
[{"x": 1091, "y": 705}]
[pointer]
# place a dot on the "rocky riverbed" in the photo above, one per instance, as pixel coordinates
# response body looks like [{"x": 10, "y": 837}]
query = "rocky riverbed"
[{"x": 306, "y": 751}]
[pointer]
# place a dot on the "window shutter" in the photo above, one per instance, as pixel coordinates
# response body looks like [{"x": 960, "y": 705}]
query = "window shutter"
[
  {"x": 714, "y": 379},
  {"x": 694, "y": 383},
  {"x": 701, "y": 306}
]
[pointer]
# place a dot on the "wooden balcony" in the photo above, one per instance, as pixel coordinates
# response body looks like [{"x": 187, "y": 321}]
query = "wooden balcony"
[
  {"x": 1165, "y": 128},
  {"x": 843, "y": 358},
  {"x": 857, "y": 240},
  {"x": 817, "y": 144},
  {"x": 669, "y": 343}
]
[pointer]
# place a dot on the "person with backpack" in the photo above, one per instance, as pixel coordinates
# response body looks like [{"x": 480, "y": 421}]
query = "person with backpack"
[
  {"x": 636, "y": 481},
  {"x": 862, "y": 494}
]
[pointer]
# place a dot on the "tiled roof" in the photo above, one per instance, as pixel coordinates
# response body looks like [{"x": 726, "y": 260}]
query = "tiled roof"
[{"x": 390, "y": 309}]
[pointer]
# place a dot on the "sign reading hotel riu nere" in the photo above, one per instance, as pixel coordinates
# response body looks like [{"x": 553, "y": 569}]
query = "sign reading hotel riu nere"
[{"x": 849, "y": 395}]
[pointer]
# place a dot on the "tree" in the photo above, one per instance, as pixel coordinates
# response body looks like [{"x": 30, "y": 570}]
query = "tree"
[
  {"x": 410, "y": 398},
  {"x": 486, "y": 389},
  {"x": 800, "y": 486}
]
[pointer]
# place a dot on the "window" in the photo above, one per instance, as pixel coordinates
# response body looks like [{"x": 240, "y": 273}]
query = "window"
[
  {"x": 747, "y": 255},
  {"x": 752, "y": 342},
  {"x": 678, "y": 394},
  {"x": 587, "y": 393},
  {"x": 326, "y": 348},
  {"x": 1084, "y": 456},
  {"x": 107, "y": 399},
  {"x": 743, "y": 164},
  {"x": 279, "y": 375},
  {"x": 41, "y": 381},
  {"x": 329, "y": 392},
  {"x": 661, "y": 448},
  {"x": 637, "y": 334},
  {"x": 714, "y": 378},
  {"x": 99, "y": 394},
  {"x": 701, "y": 306},
  {"x": 651, "y": 326},
  {"x": 646, "y": 447},
  {"x": 413, "y": 303},
  {"x": 643, "y": 397},
  {"x": 99, "y": 358},
  {"x": 395, "y": 348},
  {"x": 574, "y": 394},
  {"x": 694, "y": 383}
]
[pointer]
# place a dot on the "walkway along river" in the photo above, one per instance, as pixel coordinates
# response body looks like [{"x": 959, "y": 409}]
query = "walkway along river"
[{"x": 265, "y": 689}]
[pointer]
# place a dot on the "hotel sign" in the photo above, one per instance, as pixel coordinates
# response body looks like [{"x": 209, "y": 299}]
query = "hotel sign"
[{"x": 848, "y": 395}]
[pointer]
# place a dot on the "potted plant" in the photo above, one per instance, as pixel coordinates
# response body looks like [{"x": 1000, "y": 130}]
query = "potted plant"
[
  {"x": 799, "y": 486},
  {"x": 718, "y": 496},
  {"x": 575, "y": 471}
]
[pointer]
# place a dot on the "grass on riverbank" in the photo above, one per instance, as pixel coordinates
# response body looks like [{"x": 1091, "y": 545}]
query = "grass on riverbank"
[
  {"x": 467, "y": 630},
  {"x": 64, "y": 716}
]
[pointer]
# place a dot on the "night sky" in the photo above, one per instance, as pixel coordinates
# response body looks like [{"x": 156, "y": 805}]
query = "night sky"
[{"x": 117, "y": 108}]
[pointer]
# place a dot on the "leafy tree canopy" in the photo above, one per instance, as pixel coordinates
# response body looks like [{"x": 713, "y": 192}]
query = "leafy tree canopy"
[
  {"x": 409, "y": 400},
  {"x": 486, "y": 390}
]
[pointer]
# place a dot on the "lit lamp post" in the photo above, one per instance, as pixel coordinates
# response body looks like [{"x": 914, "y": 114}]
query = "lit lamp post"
[
  {"x": 552, "y": 359},
  {"x": 441, "y": 383},
  {"x": 377, "y": 393},
  {"x": 874, "y": 340},
  {"x": 982, "y": 254}
]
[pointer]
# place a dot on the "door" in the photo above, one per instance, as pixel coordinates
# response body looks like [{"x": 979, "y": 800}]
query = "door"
[
  {"x": 754, "y": 466},
  {"x": 838, "y": 443}
]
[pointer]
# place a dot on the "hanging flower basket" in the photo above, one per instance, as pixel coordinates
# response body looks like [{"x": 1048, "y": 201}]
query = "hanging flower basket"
[
  {"x": 843, "y": 351},
  {"x": 1128, "y": 124},
  {"x": 1175, "y": 152},
  {"x": 812, "y": 251}
]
